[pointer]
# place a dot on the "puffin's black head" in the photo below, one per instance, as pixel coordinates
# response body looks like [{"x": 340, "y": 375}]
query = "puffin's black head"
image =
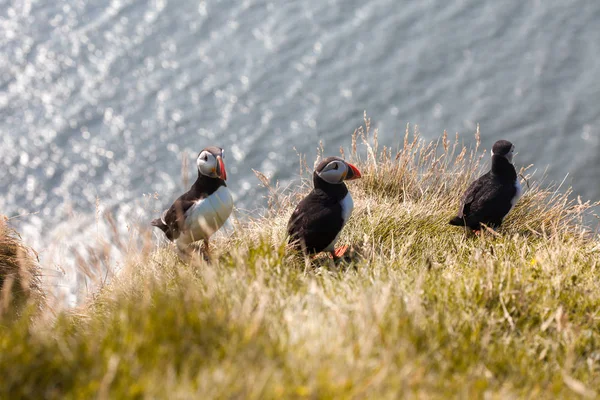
[
  {"x": 210, "y": 163},
  {"x": 504, "y": 148},
  {"x": 335, "y": 170}
]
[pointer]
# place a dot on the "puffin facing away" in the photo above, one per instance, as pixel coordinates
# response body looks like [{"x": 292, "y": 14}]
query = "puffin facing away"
[
  {"x": 494, "y": 194},
  {"x": 202, "y": 210},
  {"x": 317, "y": 221}
]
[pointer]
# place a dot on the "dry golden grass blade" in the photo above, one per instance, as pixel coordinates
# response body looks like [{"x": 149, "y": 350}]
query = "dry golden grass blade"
[
  {"x": 20, "y": 272},
  {"x": 185, "y": 173}
]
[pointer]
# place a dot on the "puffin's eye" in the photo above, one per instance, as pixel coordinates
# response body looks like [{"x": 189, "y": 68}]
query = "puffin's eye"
[
  {"x": 335, "y": 166},
  {"x": 205, "y": 158}
]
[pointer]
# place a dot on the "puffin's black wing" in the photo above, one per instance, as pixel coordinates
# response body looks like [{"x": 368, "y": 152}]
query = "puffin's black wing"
[
  {"x": 315, "y": 223},
  {"x": 487, "y": 200},
  {"x": 475, "y": 189},
  {"x": 473, "y": 192},
  {"x": 173, "y": 219},
  {"x": 492, "y": 204}
]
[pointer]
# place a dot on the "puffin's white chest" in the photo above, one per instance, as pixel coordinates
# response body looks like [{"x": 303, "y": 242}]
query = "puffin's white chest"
[
  {"x": 206, "y": 216},
  {"x": 517, "y": 195},
  {"x": 347, "y": 207}
]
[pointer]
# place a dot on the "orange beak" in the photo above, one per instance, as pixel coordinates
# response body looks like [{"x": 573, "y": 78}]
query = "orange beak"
[
  {"x": 353, "y": 173},
  {"x": 221, "y": 173}
]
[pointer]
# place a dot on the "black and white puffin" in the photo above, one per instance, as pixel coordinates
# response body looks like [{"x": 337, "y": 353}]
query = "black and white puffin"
[
  {"x": 317, "y": 221},
  {"x": 202, "y": 210},
  {"x": 494, "y": 194}
]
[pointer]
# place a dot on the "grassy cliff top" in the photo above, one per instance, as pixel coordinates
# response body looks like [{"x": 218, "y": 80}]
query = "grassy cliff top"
[{"x": 424, "y": 311}]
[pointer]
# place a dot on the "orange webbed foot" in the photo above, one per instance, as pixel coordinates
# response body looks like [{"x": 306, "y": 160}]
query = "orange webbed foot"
[{"x": 339, "y": 252}]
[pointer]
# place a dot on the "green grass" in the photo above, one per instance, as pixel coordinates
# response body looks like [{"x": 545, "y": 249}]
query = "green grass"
[{"x": 425, "y": 311}]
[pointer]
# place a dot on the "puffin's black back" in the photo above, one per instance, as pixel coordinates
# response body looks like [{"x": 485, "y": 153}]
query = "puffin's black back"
[
  {"x": 174, "y": 217},
  {"x": 317, "y": 219},
  {"x": 488, "y": 199}
]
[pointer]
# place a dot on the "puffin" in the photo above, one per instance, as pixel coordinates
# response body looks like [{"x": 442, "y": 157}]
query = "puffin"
[
  {"x": 491, "y": 197},
  {"x": 202, "y": 210},
  {"x": 318, "y": 219}
]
